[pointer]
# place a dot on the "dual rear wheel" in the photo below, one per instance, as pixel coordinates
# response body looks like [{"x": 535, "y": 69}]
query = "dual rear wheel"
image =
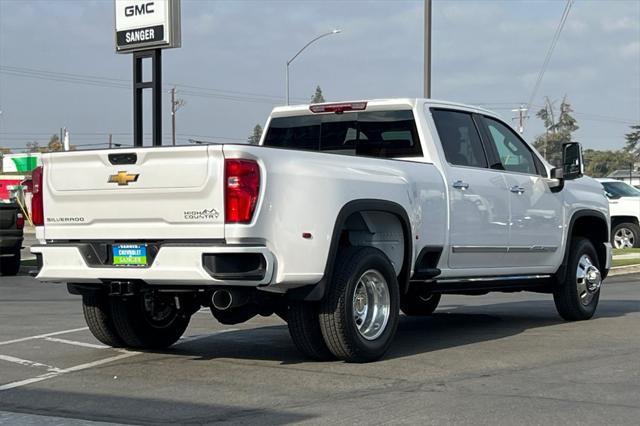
[
  {"x": 359, "y": 315},
  {"x": 143, "y": 321}
]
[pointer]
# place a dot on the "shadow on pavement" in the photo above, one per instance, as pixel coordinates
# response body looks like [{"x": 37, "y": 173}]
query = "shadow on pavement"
[
  {"x": 448, "y": 328},
  {"x": 132, "y": 410}
]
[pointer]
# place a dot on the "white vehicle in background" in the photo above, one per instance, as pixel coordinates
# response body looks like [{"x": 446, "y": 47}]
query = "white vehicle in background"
[
  {"x": 624, "y": 208},
  {"x": 345, "y": 215}
]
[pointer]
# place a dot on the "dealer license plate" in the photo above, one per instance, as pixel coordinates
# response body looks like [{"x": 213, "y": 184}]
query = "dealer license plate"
[{"x": 129, "y": 254}]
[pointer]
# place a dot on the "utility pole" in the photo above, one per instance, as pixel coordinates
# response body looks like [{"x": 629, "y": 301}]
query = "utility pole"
[
  {"x": 522, "y": 110},
  {"x": 110, "y": 140},
  {"x": 176, "y": 104},
  {"x": 427, "y": 48}
]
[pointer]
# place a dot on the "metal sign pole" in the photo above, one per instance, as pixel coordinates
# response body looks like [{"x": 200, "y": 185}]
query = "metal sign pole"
[
  {"x": 137, "y": 99},
  {"x": 156, "y": 82},
  {"x": 156, "y": 96}
]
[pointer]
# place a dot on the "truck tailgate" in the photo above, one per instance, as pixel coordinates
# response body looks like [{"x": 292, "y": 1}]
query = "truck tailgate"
[{"x": 151, "y": 194}]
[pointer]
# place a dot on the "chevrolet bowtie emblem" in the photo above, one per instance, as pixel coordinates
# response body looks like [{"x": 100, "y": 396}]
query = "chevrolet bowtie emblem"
[{"x": 123, "y": 178}]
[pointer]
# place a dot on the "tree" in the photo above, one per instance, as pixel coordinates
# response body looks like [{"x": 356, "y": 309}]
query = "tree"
[
  {"x": 603, "y": 163},
  {"x": 33, "y": 146},
  {"x": 317, "y": 97},
  {"x": 54, "y": 143},
  {"x": 254, "y": 138},
  {"x": 632, "y": 144},
  {"x": 558, "y": 132}
]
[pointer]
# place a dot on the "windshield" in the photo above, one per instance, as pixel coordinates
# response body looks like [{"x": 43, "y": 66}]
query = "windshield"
[{"x": 620, "y": 189}]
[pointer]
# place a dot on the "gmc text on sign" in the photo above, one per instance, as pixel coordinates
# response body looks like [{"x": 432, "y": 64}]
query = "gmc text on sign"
[{"x": 147, "y": 24}]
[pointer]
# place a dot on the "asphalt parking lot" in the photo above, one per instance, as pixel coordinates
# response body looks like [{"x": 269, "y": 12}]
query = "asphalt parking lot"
[{"x": 495, "y": 359}]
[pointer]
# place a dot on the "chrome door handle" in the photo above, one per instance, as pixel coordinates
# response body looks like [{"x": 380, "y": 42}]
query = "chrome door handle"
[
  {"x": 517, "y": 189},
  {"x": 461, "y": 185}
]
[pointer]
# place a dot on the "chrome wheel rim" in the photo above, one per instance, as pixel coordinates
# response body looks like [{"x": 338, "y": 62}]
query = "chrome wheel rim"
[
  {"x": 371, "y": 304},
  {"x": 588, "y": 279},
  {"x": 624, "y": 238}
]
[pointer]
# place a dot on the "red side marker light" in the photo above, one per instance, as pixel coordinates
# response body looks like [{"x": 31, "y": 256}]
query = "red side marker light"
[{"x": 19, "y": 221}]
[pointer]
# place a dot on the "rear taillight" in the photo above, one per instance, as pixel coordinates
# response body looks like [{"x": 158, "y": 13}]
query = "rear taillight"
[
  {"x": 37, "y": 208},
  {"x": 242, "y": 186},
  {"x": 19, "y": 221}
]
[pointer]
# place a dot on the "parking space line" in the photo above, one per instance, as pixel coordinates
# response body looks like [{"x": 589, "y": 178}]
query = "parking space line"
[
  {"x": 41, "y": 336},
  {"x": 55, "y": 372},
  {"x": 28, "y": 363},
  {"x": 80, "y": 367},
  {"x": 75, "y": 343}
]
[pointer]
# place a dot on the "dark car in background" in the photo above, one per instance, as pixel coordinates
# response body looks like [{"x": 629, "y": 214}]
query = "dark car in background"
[{"x": 11, "y": 237}]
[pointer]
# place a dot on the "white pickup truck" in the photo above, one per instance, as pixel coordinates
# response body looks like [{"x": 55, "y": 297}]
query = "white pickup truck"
[
  {"x": 624, "y": 207},
  {"x": 345, "y": 215}
]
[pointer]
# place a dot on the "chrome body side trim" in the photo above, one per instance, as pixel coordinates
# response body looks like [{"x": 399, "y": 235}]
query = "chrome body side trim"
[
  {"x": 503, "y": 249},
  {"x": 495, "y": 278},
  {"x": 479, "y": 249}
]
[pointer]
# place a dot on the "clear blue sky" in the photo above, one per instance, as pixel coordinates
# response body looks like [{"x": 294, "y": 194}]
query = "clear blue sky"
[{"x": 487, "y": 52}]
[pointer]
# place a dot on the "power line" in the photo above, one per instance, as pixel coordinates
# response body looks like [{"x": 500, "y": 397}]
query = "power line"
[
  {"x": 98, "y": 81},
  {"x": 552, "y": 47}
]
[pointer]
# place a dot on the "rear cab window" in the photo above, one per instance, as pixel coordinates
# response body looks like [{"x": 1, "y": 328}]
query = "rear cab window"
[{"x": 381, "y": 134}]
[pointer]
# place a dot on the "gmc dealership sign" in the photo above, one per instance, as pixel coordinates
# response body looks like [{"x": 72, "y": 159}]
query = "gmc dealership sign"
[{"x": 147, "y": 24}]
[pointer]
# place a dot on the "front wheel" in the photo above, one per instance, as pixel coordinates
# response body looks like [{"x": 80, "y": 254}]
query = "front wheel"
[
  {"x": 148, "y": 320},
  {"x": 576, "y": 298},
  {"x": 360, "y": 312},
  {"x": 625, "y": 235}
]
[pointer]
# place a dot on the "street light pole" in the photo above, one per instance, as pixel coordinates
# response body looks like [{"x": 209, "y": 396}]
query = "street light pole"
[
  {"x": 427, "y": 49},
  {"x": 336, "y": 31}
]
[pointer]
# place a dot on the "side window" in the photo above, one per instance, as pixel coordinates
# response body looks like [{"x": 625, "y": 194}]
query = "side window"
[
  {"x": 514, "y": 154},
  {"x": 460, "y": 138}
]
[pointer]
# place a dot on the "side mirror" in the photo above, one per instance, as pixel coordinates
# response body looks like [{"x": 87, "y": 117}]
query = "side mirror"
[{"x": 572, "y": 164}]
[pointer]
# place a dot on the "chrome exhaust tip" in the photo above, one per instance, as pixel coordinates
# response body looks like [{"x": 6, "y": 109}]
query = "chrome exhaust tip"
[{"x": 222, "y": 299}]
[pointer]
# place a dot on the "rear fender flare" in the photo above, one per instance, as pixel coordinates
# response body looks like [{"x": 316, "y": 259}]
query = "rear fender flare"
[{"x": 315, "y": 292}]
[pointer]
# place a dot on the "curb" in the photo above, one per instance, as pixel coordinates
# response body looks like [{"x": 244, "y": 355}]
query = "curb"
[{"x": 623, "y": 270}]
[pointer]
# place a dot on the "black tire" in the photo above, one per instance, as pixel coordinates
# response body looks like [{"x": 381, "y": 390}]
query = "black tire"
[
  {"x": 337, "y": 320},
  {"x": 632, "y": 228},
  {"x": 97, "y": 315},
  {"x": 10, "y": 265},
  {"x": 139, "y": 330},
  {"x": 566, "y": 295},
  {"x": 304, "y": 327},
  {"x": 417, "y": 302}
]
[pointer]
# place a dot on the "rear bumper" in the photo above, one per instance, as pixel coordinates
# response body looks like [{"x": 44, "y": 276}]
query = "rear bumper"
[{"x": 172, "y": 265}]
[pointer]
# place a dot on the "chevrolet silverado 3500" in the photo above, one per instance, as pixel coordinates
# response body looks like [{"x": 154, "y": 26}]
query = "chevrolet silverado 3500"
[{"x": 343, "y": 216}]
